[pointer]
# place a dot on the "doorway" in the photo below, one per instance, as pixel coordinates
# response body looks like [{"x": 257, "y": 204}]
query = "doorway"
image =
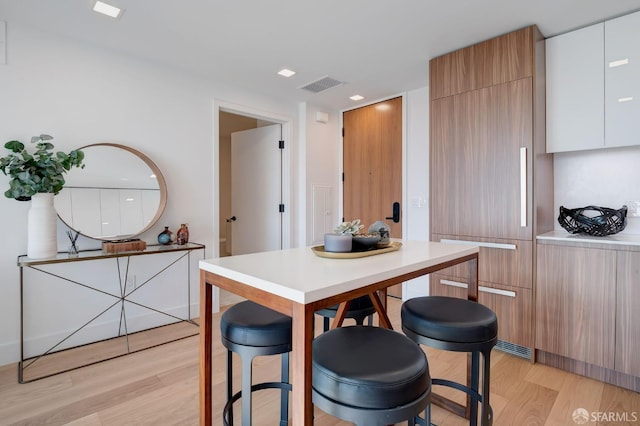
[{"x": 228, "y": 119}]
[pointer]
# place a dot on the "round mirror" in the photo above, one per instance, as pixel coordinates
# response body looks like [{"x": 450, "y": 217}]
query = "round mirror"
[{"x": 118, "y": 195}]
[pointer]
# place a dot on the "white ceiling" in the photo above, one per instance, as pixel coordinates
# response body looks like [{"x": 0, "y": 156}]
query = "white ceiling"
[{"x": 379, "y": 48}]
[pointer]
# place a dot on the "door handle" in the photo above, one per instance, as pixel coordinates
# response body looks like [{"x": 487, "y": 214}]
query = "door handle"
[
  {"x": 396, "y": 213},
  {"x": 232, "y": 219}
]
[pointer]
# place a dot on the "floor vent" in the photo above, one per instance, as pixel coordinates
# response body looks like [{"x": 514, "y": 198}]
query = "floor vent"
[
  {"x": 513, "y": 349},
  {"x": 321, "y": 85}
]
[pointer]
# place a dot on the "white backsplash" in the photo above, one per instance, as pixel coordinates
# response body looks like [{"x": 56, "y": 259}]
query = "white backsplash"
[{"x": 604, "y": 177}]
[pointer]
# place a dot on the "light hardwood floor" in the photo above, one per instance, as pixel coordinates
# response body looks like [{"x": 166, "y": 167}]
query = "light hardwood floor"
[{"x": 159, "y": 386}]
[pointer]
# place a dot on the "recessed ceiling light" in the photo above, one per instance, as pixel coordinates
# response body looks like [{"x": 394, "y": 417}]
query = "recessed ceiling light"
[
  {"x": 356, "y": 98},
  {"x": 107, "y": 9},
  {"x": 286, "y": 73},
  {"x": 629, "y": 99}
]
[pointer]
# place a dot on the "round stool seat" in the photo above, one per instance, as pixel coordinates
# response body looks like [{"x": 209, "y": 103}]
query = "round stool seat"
[
  {"x": 359, "y": 304},
  {"x": 449, "y": 319},
  {"x": 369, "y": 367},
  {"x": 250, "y": 324}
]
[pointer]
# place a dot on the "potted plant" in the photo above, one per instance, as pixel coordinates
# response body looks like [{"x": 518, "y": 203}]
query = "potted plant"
[
  {"x": 40, "y": 172},
  {"x": 341, "y": 241},
  {"x": 38, "y": 176}
]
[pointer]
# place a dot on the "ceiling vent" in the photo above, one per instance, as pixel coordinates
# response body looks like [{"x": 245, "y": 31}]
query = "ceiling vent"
[{"x": 321, "y": 85}]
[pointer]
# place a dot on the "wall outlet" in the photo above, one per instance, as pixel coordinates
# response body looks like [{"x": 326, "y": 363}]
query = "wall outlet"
[{"x": 633, "y": 208}]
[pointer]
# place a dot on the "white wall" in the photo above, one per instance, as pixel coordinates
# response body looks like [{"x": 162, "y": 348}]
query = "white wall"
[
  {"x": 603, "y": 177},
  {"x": 81, "y": 94},
  {"x": 322, "y": 169},
  {"x": 417, "y": 179}
]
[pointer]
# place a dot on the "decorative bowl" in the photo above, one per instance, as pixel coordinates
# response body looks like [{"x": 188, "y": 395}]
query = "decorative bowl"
[{"x": 364, "y": 242}]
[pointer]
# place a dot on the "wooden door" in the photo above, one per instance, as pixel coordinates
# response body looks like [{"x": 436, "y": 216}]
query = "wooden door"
[
  {"x": 476, "y": 141},
  {"x": 372, "y": 165}
]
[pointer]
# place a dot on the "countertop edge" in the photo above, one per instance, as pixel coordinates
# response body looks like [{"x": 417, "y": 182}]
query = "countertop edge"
[{"x": 617, "y": 241}]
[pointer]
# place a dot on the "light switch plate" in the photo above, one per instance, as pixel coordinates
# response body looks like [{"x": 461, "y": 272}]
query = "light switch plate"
[{"x": 3, "y": 43}]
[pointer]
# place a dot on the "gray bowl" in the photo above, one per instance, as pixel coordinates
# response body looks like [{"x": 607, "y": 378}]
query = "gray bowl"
[{"x": 364, "y": 243}]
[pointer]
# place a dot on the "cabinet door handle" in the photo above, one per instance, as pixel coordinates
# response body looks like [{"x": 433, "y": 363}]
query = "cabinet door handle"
[
  {"x": 480, "y": 244},
  {"x": 481, "y": 288},
  {"x": 497, "y": 291},
  {"x": 523, "y": 187},
  {"x": 454, "y": 284}
]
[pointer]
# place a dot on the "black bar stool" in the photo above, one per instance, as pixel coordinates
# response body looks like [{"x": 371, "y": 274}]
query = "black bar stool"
[
  {"x": 251, "y": 330},
  {"x": 370, "y": 376},
  {"x": 359, "y": 309},
  {"x": 458, "y": 325}
]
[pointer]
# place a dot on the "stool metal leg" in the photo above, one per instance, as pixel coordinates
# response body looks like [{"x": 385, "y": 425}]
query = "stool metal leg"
[
  {"x": 487, "y": 413},
  {"x": 475, "y": 374},
  {"x": 247, "y": 365},
  {"x": 230, "y": 383},
  {"x": 284, "y": 396},
  {"x": 325, "y": 324}
]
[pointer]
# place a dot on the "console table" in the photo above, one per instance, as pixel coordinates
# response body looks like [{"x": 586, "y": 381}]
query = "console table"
[{"x": 123, "y": 295}]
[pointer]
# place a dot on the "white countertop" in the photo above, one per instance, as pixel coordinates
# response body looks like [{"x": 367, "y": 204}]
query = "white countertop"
[
  {"x": 299, "y": 275},
  {"x": 617, "y": 239}
]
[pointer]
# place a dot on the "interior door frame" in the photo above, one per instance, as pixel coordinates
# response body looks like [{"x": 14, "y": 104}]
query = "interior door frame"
[
  {"x": 403, "y": 210},
  {"x": 287, "y": 169}
]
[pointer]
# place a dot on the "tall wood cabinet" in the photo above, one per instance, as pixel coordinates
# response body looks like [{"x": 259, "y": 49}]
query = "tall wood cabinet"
[{"x": 491, "y": 182}]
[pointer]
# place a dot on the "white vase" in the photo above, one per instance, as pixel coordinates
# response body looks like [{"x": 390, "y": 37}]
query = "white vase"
[{"x": 42, "y": 238}]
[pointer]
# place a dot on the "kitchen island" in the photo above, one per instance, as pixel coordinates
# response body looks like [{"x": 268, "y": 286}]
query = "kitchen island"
[{"x": 297, "y": 283}]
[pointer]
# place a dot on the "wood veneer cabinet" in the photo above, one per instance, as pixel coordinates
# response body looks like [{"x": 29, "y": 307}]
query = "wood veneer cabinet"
[
  {"x": 498, "y": 60},
  {"x": 587, "y": 304},
  {"x": 576, "y": 303},
  {"x": 491, "y": 181},
  {"x": 627, "y": 313}
]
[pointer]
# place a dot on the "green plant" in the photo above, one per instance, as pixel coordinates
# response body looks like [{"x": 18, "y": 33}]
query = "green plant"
[
  {"x": 352, "y": 227},
  {"x": 40, "y": 172}
]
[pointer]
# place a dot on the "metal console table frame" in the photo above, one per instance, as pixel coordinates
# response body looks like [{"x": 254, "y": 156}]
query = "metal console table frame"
[{"x": 87, "y": 255}]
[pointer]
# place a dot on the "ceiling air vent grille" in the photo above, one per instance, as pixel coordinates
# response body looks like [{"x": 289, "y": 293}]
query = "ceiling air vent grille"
[{"x": 321, "y": 85}]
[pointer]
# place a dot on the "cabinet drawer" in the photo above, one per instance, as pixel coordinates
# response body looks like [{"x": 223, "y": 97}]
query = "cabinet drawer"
[
  {"x": 503, "y": 262},
  {"x": 442, "y": 285},
  {"x": 512, "y": 305}
]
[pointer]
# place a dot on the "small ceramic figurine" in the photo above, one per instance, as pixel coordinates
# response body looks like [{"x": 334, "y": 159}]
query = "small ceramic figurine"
[
  {"x": 383, "y": 229},
  {"x": 183, "y": 234}
]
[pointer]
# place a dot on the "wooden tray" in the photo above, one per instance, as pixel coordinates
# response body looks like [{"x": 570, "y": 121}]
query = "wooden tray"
[{"x": 319, "y": 251}]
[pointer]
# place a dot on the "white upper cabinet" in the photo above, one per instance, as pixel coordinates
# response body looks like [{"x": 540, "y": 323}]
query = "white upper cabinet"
[
  {"x": 622, "y": 81},
  {"x": 593, "y": 86},
  {"x": 575, "y": 95}
]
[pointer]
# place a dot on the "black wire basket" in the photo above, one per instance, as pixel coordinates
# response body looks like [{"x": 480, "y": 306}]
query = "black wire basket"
[{"x": 600, "y": 221}]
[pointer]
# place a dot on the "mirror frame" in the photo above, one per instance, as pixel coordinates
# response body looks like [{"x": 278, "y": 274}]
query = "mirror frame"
[{"x": 161, "y": 183}]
